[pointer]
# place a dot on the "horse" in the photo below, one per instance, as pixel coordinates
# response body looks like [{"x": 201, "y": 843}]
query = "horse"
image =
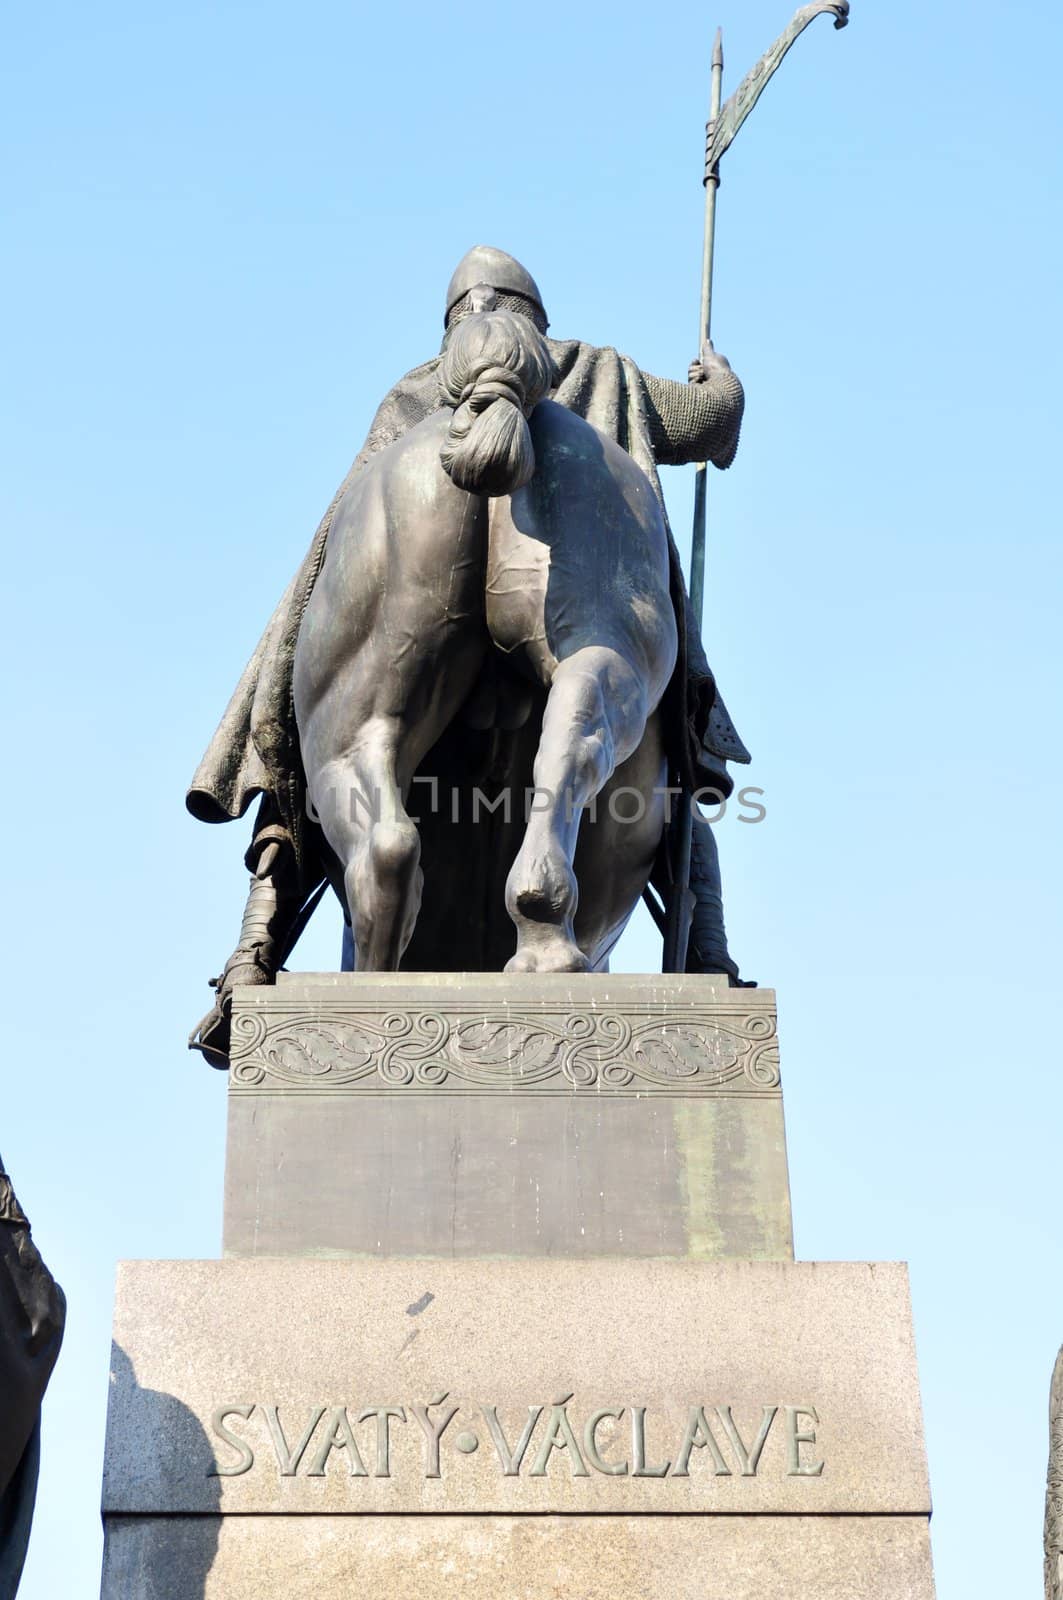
[{"x": 502, "y": 539}]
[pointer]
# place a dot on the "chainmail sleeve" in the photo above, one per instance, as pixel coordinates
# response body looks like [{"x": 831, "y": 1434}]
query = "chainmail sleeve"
[{"x": 695, "y": 421}]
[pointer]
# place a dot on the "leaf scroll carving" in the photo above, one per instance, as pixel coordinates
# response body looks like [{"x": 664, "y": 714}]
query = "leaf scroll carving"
[{"x": 597, "y": 1049}]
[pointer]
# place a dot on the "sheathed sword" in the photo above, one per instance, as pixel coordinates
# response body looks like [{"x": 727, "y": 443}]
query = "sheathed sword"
[{"x": 720, "y": 132}]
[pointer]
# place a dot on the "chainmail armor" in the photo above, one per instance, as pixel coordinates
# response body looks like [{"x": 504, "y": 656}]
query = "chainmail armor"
[
  {"x": 695, "y": 421},
  {"x": 518, "y": 303}
]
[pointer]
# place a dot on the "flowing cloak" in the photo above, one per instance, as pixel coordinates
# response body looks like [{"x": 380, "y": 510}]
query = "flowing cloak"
[{"x": 255, "y": 749}]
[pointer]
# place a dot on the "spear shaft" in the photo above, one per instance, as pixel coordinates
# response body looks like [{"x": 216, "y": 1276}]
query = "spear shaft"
[
  {"x": 723, "y": 125},
  {"x": 681, "y": 904},
  {"x": 712, "y": 184}
]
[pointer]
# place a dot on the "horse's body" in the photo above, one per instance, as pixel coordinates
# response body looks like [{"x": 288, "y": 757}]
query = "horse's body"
[{"x": 429, "y": 591}]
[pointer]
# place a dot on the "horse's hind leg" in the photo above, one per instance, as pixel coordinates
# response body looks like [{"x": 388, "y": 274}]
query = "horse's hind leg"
[
  {"x": 389, "y": 647},
  {"x": 385, "y": 710},
  {"x": 618, "y": 845},
  {"x": 595, "y": 717},
  {"x": 364, "y": 819}
]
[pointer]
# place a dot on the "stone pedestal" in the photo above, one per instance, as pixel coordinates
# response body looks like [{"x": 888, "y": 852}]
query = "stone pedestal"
[
  {"x": 601, "y": 1370},
  {"x": 722, "y": 1429},
  {"x": 492, "y": 1115}
]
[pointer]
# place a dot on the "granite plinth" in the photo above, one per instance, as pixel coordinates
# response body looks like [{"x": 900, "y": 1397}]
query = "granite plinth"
[
  {"x": 519, "y": 1558},
  {"x": 508, "y": 1305},
  {"x": 723, "y": 1387},
  {"x": 533, "y": 1427},
  {"x": 506, "y": 1115}
]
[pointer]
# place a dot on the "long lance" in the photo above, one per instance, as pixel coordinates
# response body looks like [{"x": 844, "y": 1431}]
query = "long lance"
[{"x": 720, "y": 131}]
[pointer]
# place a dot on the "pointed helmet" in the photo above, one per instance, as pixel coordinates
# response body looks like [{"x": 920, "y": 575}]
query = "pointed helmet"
[{"x": 484, "y": 264}]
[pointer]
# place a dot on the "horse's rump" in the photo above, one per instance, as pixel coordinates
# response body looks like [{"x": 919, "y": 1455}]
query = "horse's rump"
[{"x": 579, "y": 557}]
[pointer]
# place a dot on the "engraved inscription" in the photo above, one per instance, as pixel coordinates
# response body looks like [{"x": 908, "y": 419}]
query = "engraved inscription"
[
  {"x": 511, "y": 1459},
  {"x": 560, "y": 1438},
  {"x": 796, "y": 1438},
  {"x": 245, "y": 1457},
  {"x": 611, "y": 1469},
  {"x": 433, "y": 1429}
]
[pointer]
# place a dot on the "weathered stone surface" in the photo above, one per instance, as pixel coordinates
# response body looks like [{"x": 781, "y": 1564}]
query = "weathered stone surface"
[
  {"x": 533, "y": 1558},
  {"x": 519, "y": 1115},
  {"x": 248, "y": 1369}
]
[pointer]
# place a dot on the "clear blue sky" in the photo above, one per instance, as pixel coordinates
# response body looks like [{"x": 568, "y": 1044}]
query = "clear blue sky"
[{"x": 230, "y": 229}]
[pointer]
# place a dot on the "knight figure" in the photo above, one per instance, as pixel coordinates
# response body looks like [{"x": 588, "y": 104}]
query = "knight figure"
[{"x": 256, "y": 750}]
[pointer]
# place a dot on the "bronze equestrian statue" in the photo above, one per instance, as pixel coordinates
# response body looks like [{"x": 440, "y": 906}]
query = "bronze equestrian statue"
[
  {"x": 493, "y": 736},
  {"x": 506, "y": 524}
]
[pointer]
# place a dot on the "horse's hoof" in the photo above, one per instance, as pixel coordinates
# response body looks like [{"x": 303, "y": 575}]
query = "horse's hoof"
[
  {"x": 553, "y": 955},
  {"x": 523, "y": 961},
  {"x": 572, "y": 960}
]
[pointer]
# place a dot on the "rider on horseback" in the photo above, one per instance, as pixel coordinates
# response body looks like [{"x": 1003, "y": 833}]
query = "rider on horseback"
[{"x": 256, "y": 747}]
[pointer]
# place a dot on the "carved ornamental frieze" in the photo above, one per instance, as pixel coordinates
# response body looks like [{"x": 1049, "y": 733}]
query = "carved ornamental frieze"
[{"x": 726, "y": 1047}]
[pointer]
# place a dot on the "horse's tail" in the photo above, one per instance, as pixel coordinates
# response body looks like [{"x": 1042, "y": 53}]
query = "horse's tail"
[{"x": 496, "y": 369}]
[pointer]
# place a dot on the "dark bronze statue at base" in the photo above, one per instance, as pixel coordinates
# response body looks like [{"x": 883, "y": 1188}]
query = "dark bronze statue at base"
[
  {"x": 32, "y": 1315},
  {"x": 492, "y": 608}
]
